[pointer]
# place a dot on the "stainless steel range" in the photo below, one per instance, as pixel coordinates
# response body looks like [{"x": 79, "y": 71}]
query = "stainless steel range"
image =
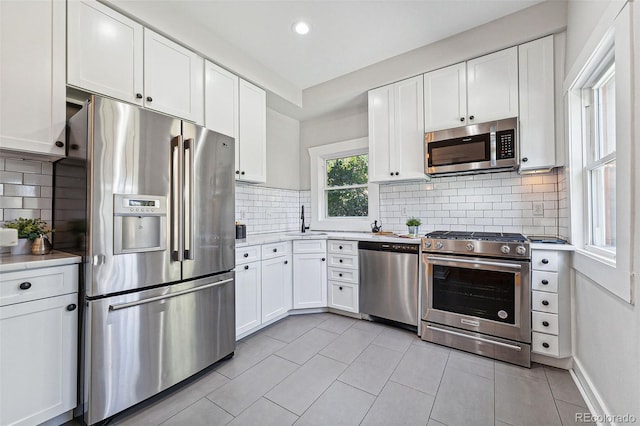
[{"x": 476, "y": 294}]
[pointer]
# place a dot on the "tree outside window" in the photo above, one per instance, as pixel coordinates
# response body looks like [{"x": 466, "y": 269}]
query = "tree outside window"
[{"x": 346, "y": 190}]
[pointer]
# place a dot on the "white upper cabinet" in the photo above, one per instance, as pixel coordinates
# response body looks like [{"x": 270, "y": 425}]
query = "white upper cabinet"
[
  {"x": 221, "y": 100},
  {"x": 251, "y": 147},
  {"x": 32, "y": 82},
  {"x": 480, "y": 90},
  {"x": 445, "y": 97},
  {"x": 537, "y": 113},
  {"x": 396, "y": 131},
  {"x": 112, "y": 55},
  {"x": 492, "y": 86},
  {"x": 105, "y": 51},
  {"x": 173, "y": 78}
]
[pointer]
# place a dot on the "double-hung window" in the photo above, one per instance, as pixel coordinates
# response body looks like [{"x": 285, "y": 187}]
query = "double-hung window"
[{"x": 346, "y": 191}]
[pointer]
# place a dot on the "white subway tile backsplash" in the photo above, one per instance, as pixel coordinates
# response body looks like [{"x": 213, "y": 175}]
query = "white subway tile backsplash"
[
  {"x": 33, "y": 179},
  {"x": 21, "y": 190},
  {"x": 10, "y": 202},
  {"x": 23, "y": 166},
  {"x": 10, "y": 177}
]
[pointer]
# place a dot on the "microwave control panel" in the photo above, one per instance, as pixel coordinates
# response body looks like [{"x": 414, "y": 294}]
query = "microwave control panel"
[{"x": 506, "y": 142}]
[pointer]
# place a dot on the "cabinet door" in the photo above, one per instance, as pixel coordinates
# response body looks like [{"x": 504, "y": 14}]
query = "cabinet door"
[
  {"x": 445, "y": 98},
  {"x": 381, "y": 134},
  {"x": 32, "y": 104},
  {"x": 220, "y": 100},
  {"x": 252, "y": 153},
  {"x": 343, "y": 296},
  {"x": 409, "y": 128},
  {"x": 38, "y": 359},
  {"x": 537, "y": 106},
  {"x": 276, "y": 287},
  {"x": 104, "y": 51},
  {"x": 492, "y": 86},
  {"x": 309, "y": 281},
  {"x": 173, "y": 78},
  {"x": 248, "y": 297}
]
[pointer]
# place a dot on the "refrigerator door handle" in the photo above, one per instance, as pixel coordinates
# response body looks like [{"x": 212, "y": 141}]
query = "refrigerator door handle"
[
  {"x": 189, "y": 218},
  {"x": 177, "y": 219}
]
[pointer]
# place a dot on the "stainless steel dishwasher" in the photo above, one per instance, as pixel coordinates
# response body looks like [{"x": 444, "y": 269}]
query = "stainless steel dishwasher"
[{"x": 389, "y": 281}]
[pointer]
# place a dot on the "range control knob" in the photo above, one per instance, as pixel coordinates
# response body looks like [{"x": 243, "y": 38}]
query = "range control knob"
[
  {"x": 505, "y": 249},
  {"x": 439, "y": 245},
  {"x": 521, "y": 250},
  {"x": 427, "y": 244},
  {"x": 469, "y": 247}
]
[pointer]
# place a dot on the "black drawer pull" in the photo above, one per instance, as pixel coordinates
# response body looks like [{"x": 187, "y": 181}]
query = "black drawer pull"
[
  {"x": 340, "y": 288},
  {"x": 286, "y": 262},
  {"x": 545, "y": 323},
  {"x": 545, "y": 302},
  {"x": 340, "y": 261},
  {"x": 340, "y": 247},
  {"x": 246, "y": 255},
  {"x": 545, "y": 282},
  {"x": 340, "y": 275},
  {"x": 59, "y": 144},
  {"x": 471, "y": 117},
  {"x": 246, "y": 266},
  {"x": 149, "y": 99},
  {"x": 323, "y": 259},
  {"x": 25, "y": 285},
  {"x": 138, "y": 95},
  {"x": 275, "y": 250},
  {"x": 71, "y": 307},
  {"x": 545, "y": 345},
  {"x": 545, "y": 261}
]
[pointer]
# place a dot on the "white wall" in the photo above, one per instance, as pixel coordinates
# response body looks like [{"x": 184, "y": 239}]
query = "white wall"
[
  {"x": 607, "y": 329},
  {"x": 283, "y": 151}
]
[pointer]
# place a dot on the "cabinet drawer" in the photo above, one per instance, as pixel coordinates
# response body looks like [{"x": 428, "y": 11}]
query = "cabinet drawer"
[
  {"x": 310, "y": 246},
  {"x": 544, "y": 344},
  {"x": 544, "y": 322},
  {"x": 544, "y": 302},
  {"x": 544, "y": 281},
  {"x": 271, "y": 250},
  {"x": 343, "y": 296},
  {"x": 344, "y": 275},
  {"x": 343, "y": 247},
  {"x": 544, "y": 260},
  {"x": 23, "y": 286},
  {"x": 341, "y": 261},
  {"x": 247, "y": 254}
]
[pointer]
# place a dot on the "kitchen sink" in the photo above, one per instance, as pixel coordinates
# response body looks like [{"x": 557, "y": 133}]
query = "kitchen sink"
[{"x": 302, "y": 234}]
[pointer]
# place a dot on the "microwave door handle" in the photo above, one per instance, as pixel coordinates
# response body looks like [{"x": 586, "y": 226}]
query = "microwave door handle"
[
  {"x": 492, "y": 142},
  {"x": 188, "y": 202},
  {"x": 176, "y": 199}
]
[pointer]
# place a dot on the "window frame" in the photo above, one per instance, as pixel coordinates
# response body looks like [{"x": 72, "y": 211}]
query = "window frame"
[{"x": 319, "y": 219}]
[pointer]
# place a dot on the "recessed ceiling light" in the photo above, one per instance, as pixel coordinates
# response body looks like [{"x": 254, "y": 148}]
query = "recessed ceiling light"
[{"x": 301, "y": 27}]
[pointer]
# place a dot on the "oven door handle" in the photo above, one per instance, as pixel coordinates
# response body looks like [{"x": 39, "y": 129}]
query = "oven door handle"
[
  {"x": 474, "y": 262},
  {"x": 481, "y": 339}
]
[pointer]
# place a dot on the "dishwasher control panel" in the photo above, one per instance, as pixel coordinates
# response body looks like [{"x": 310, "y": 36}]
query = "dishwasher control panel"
[{"x": 393, "y": 247}]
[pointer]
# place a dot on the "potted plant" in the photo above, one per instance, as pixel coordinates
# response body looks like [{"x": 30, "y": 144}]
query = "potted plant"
[
  {"x": 413, "y": 223},
  {"x": 28, "y": 231}
]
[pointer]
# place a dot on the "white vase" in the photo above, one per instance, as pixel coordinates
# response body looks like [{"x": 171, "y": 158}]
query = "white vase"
[{"x": 23, "y": 247}]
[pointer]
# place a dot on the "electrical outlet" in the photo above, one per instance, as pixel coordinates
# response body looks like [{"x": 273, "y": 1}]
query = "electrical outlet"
[{"x": 538, "y": 209}]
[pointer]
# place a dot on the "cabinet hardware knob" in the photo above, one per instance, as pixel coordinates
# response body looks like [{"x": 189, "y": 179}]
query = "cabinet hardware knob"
[
  {"x": 286, "y": 262},
  {"x": 71, "y": 307},
  {"x": 138, "y": 95},
  {"x": 59, "y": 144},
  {"x": 397, "y": 173},
  {"x": 323, "y": 259},
  {"x": 545, "y": 261},
  {"x": 545, "y": 302},
  {"x": 340, "y": 247},
  {"x": 275, "y": 250},
  {"x": 471, "y": 117},
  {"x": 545, "y": 323},
  {"x": 340, "y": 261},
  {"x": 246, "y": 266},
  {"x": 391, "y": 173},
  {"x": 25, "y": 285},
  {"x": 339, "y": 275},
  {"x": 149, "y": 99},
  {"x": 461, "y": 118},
  {"x": 246, "y": 255},
  {"x": 545, "y": 345},
  {"x": 237, "y": 172},
  {"x": 525, "y": 159},
  {"x": 545, "y": 282},
  {"x": 242, "y": 173},
  {"x": 340, "y": 288}
]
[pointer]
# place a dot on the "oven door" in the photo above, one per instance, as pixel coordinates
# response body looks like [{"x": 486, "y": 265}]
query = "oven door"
[{"x": 481, "y": 295}]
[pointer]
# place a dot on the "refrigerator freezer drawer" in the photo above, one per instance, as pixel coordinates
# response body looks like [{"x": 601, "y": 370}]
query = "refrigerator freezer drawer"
[{"x": 142, "y": 343}]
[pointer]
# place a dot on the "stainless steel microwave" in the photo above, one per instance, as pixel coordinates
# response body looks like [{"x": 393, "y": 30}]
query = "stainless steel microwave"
[{"x": 478, "y": 148}]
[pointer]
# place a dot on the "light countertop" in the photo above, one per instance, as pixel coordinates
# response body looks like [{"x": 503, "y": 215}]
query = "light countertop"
[
  {"x": 274, "y": 237},
  {"x": 19, "y": 262}
]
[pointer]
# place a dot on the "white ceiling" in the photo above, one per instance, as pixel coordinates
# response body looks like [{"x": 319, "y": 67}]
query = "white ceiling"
[{"x": 345, "y": 35}]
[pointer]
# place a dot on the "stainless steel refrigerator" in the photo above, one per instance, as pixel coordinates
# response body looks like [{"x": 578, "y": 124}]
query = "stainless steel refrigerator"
[{"x": 148, "y": 200}]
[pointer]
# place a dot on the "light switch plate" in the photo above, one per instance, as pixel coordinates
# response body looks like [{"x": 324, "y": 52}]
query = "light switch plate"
[{"x": 538, "y": 209}]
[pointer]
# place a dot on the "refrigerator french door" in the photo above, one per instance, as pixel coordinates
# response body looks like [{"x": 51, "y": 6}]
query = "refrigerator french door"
[{"x": 159, "y": 287}]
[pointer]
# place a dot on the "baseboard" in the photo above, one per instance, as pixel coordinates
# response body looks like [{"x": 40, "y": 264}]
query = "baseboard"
[
  {"x": 589, "y": 393},
  {"x": 563, "y": 363}
]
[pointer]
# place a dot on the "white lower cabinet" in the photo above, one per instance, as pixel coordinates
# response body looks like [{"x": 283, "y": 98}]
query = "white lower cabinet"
[
  {"x": 248, "y": 297},
  {"x": 276, "y": 287},
  {"x": 309, "y": 274},
  {"x": 343, "y": 275},
  {"x": 38, "y": 350},
  {"x": 343, "y": 296}
]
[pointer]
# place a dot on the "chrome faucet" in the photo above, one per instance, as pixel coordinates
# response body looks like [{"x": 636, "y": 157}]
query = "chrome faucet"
[{"x": 304, "y": 228}]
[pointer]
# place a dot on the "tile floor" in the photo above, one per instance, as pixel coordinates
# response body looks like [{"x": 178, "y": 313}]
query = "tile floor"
[{"x": 326, "y": 369}]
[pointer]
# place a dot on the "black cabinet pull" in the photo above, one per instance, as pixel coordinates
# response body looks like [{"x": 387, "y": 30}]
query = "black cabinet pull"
[
  {"x": 339, "y": 275},
  {"x": 71, "y": 307},
  {"x": 25, "y": 285},
  {"x": 286, "y": 262},
  {"x": 149, "y": 99},
  {"x": 340, "y": 261},
  {"x": 545, "y": 261},
  {"x": 545, "y": 345},
  {"x": 391, "y": 173},
  {"x": 545, "y": 323},
  {"x": 397, "y": 173},
  {"x": 471, "y": 117},
  {"x": 340, "y": 288},
  {"x": 139, "y": 95},
  {"x": 237, "y": 172},
  {"x": 461, "y": 118},
  {"x": 246, "y": 255},
  {"x": 545, "y": 282},
  {"x": 545, "y": 302},
  {"x": 59, "y": 144},
  {"x": 525, "y": 159},
  {"x": 242, "y": 173},
  {"x": 340, "y": 247},
  {"x": 275, "y": 250},
  {"x": 323, "y": 259},
  {"x": 246, "y": 266}
]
